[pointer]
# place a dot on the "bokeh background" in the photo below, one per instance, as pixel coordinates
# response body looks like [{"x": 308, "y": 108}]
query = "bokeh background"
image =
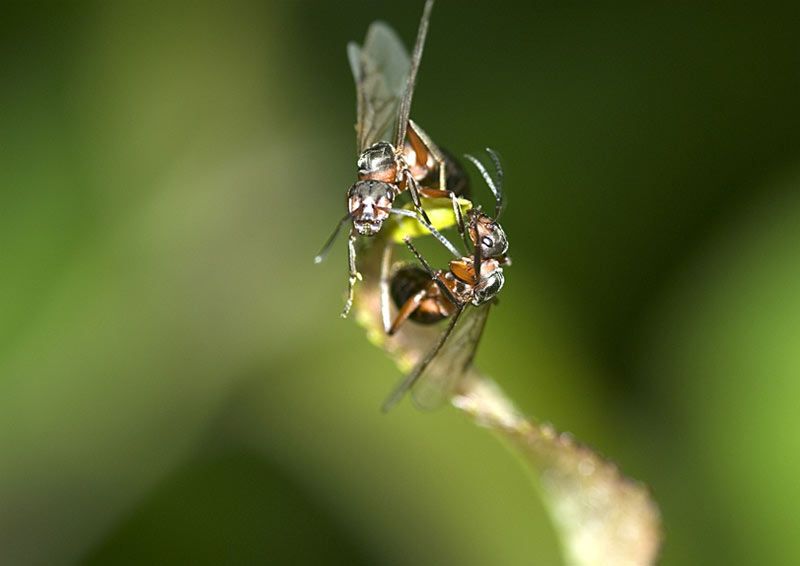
[{"x": 176, "y": 385}]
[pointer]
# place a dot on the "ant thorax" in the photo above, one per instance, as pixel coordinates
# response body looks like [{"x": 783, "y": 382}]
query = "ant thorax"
[
  {"x": 461, "y": 279},
  {"x": 488, "y": 287},
  {"x": 379, "y": 162}
]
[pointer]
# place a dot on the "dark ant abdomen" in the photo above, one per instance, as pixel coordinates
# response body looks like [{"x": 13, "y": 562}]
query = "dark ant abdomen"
[{"x": 408, "y": 281}]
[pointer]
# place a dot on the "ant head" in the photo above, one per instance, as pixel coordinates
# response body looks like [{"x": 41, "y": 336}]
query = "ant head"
[
  {"x": 486, "y": 234},
  {"x": 369, "y": 203}
]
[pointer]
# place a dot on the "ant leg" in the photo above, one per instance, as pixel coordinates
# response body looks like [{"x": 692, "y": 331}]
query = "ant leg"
[
  {"x": 411, "y": 305},
  {"x": 438, "y": 277},
  {"x": 386, "y": 262},
  {"x": 423, "y": 147},
  {"x": 354, "y": 274},
  {"x": 419, "y": 257},
  {"x": 434, "y": 232},
  {"x": 459, "y": 216},
  {"x": 421, "y": 141},
  {"x": 413, "y": 189},
  {"x": 420, "y": 149}
]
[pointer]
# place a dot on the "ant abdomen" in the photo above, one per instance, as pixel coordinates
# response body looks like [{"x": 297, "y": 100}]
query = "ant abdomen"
[{"x": 409, "y": 280}]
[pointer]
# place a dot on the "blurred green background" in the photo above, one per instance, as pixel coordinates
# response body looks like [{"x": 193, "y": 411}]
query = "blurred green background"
[{"x": 176, "y": 385}]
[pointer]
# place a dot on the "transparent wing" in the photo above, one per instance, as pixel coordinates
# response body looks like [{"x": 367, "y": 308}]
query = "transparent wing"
[
  {"x": 380, "y": 69},
  {"x": 442, "y": 369},
  {"x": 436, "y": 376},
  {"x": 405, "y": 105}
]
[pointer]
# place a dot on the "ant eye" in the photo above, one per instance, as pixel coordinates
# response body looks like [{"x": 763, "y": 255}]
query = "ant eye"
[{"x": 487, "y": 241}]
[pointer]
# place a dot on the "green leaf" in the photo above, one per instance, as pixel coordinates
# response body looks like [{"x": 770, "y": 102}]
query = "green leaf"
[{"x": 440, "y": 213}]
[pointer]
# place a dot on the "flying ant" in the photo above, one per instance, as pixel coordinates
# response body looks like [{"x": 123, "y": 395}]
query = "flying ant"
[
  {"x": 463, "y": 293},
  {"x": 385, "y": 79}
]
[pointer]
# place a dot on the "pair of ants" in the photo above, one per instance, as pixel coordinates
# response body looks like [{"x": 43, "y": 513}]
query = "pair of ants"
[
  {"x": 411, "y": 163},
  {"x": 420, "y": 293}
]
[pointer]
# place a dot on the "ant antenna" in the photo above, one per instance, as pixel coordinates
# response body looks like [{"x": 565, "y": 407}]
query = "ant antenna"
[
  {"x": 495, "y": 186},
  {"x": 500, "y": 196},
  {"x": 434, "y": 232},
  {"x": 477, "y": 261},
  {"x": 419, "y": 257},
  {"x": 327, "y": 247},
  {"x": 427, "y": 267}
]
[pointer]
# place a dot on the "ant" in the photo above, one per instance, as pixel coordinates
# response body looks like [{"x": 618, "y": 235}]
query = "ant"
[
  {"x": 385, "y": 79},
  {"x": 426, "y": 296}
]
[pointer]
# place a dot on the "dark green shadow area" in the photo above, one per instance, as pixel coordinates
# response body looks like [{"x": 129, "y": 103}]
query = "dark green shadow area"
[{"x": 231, "y": 509}]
